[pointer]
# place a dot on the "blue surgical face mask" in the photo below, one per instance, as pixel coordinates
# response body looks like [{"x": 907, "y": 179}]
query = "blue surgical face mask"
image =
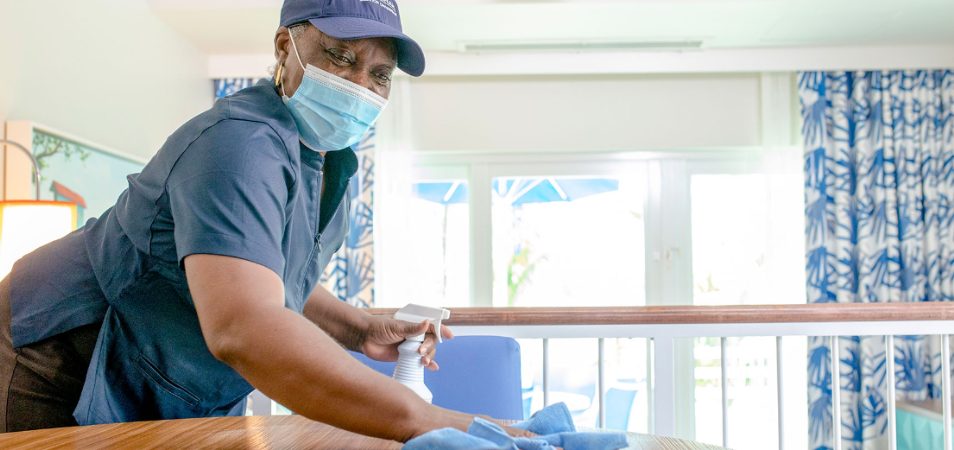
[{"x": 331, "y": 113}]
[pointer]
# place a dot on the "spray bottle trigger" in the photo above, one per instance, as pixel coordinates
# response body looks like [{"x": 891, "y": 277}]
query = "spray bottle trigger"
[
  {"x": 437, "y": 331},
  {"x": 418, "y": 313},
  {"x": 445, "y": 314}
]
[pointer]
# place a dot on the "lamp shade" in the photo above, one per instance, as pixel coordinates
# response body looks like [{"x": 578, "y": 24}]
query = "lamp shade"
[{"x": 28, "y": 224}]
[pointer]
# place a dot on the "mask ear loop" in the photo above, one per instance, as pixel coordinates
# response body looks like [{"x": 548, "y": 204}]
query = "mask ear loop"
[
  {"x": 295, "y": 47},
  {"x": 297, "y": 56}
]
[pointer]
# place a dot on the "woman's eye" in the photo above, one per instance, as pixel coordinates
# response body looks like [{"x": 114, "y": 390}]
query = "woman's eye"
[{"x": 339, "y": 58}]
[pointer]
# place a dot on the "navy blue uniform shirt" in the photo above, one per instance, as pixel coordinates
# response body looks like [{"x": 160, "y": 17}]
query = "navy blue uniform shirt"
[{"x": 232, "y": 181}]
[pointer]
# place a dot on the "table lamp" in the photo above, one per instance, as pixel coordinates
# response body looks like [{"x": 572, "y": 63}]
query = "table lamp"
[{"x": 26, "y": 225}]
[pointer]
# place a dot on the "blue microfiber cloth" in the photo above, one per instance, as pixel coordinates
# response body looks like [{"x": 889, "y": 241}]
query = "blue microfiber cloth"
[{"x": 553, "y": 424}]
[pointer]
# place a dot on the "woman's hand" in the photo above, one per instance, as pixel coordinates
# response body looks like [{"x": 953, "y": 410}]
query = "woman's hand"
[
  {"x": 384, "y": 335},
  {"x": 518, "y": 432},
  {"x": 438, "y": 417}
]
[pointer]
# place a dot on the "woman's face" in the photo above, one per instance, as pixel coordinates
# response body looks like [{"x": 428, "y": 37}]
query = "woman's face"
[{"x": 366, "y": 62}]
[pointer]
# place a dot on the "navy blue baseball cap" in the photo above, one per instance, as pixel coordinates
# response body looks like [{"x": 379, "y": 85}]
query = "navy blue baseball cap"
[{"x": 358, "y": 19}]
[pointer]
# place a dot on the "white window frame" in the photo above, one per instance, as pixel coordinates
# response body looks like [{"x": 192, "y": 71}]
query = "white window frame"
[{"x": 667, "y": 203}]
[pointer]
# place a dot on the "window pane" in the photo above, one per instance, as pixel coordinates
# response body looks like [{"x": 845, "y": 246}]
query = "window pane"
[
  {"x": 568, "y": 241},
  {"x": 747, "y": 239},
  {"x": 434, "y": 247}
]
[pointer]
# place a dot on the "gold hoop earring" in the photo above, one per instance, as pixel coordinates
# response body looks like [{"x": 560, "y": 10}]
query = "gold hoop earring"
[{"x": 278, "y": 75}]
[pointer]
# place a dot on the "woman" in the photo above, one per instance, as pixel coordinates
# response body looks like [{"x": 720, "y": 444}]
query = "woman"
[{"x": 201, "y": 281}]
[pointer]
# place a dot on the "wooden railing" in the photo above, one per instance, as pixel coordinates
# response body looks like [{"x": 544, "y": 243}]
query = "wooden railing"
[
  {"x": 672, "y": 315},
  {"x": 663, "y": 324}
]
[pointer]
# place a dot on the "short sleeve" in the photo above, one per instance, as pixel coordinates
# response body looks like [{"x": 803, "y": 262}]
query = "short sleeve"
[{"x": 228, "y": 194}]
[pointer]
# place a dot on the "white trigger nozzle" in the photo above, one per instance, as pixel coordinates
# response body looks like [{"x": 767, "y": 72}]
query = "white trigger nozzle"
[{"x": 418, "y": 313}]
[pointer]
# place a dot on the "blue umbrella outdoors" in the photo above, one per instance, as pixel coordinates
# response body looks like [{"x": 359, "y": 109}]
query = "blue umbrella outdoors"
[{"x": 519, "y": 191}]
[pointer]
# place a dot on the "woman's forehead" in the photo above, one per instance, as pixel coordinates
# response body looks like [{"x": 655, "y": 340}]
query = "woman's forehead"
[{"x": 384, "y": 43}]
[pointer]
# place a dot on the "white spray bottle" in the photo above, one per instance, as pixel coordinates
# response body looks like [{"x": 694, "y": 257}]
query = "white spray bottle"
[{"x": 410, "y": 370}]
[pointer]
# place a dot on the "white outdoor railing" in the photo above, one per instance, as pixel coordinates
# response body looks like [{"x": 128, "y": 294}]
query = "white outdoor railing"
[{"x": 662, "y": 325}]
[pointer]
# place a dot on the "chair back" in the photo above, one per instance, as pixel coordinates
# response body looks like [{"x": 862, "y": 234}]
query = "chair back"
[
  {"x": 619, "y": 403},
  {"x": 478, "y": 375}
]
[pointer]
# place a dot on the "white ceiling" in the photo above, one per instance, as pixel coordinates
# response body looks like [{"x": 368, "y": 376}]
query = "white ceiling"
[{"x": 225, "y": 27}]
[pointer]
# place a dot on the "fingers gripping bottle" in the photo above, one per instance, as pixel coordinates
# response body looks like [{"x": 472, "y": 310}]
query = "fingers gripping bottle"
[{"x": 410, "y": 370}]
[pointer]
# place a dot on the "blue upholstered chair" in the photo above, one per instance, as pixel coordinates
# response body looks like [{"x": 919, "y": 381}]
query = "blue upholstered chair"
[
  {"x": 478, "y": 375},
  {"x": 619, "y": 403}
]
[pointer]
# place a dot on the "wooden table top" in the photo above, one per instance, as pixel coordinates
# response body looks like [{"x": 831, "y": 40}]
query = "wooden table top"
[{"x": 274, "y": 432}]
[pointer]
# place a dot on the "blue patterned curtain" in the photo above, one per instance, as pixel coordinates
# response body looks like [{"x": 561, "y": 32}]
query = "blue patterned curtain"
[
  {"x": 228, "y": 86},
  {"x": 879, "y": 166},
  {"x": 350, "y": 275}
]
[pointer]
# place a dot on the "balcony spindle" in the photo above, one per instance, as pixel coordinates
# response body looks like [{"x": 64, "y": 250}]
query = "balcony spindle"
[
  {"x": 892, "y": 424},
  {"x": 546, "y": 372},
  {"x": 836, "y": 392},
  {"x": 946, "y": 387},
  {"x": 725, "y": 397},
  {"x": 779, "y": 390},
  {"x": 601, "y": 383},
  {"x": 650, "y": 387}
]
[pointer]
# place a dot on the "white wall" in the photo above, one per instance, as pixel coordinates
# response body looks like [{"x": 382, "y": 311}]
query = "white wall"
[
  {"x": 585, "y": 113},
  {"x": 105, "y": 70}
]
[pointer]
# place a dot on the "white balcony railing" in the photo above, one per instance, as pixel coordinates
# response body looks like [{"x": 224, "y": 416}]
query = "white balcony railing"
[{"x": 662, "y": 325}]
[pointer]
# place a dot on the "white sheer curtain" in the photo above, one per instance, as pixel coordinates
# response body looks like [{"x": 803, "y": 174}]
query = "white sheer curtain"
[{"x": 394, "y": 178}]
